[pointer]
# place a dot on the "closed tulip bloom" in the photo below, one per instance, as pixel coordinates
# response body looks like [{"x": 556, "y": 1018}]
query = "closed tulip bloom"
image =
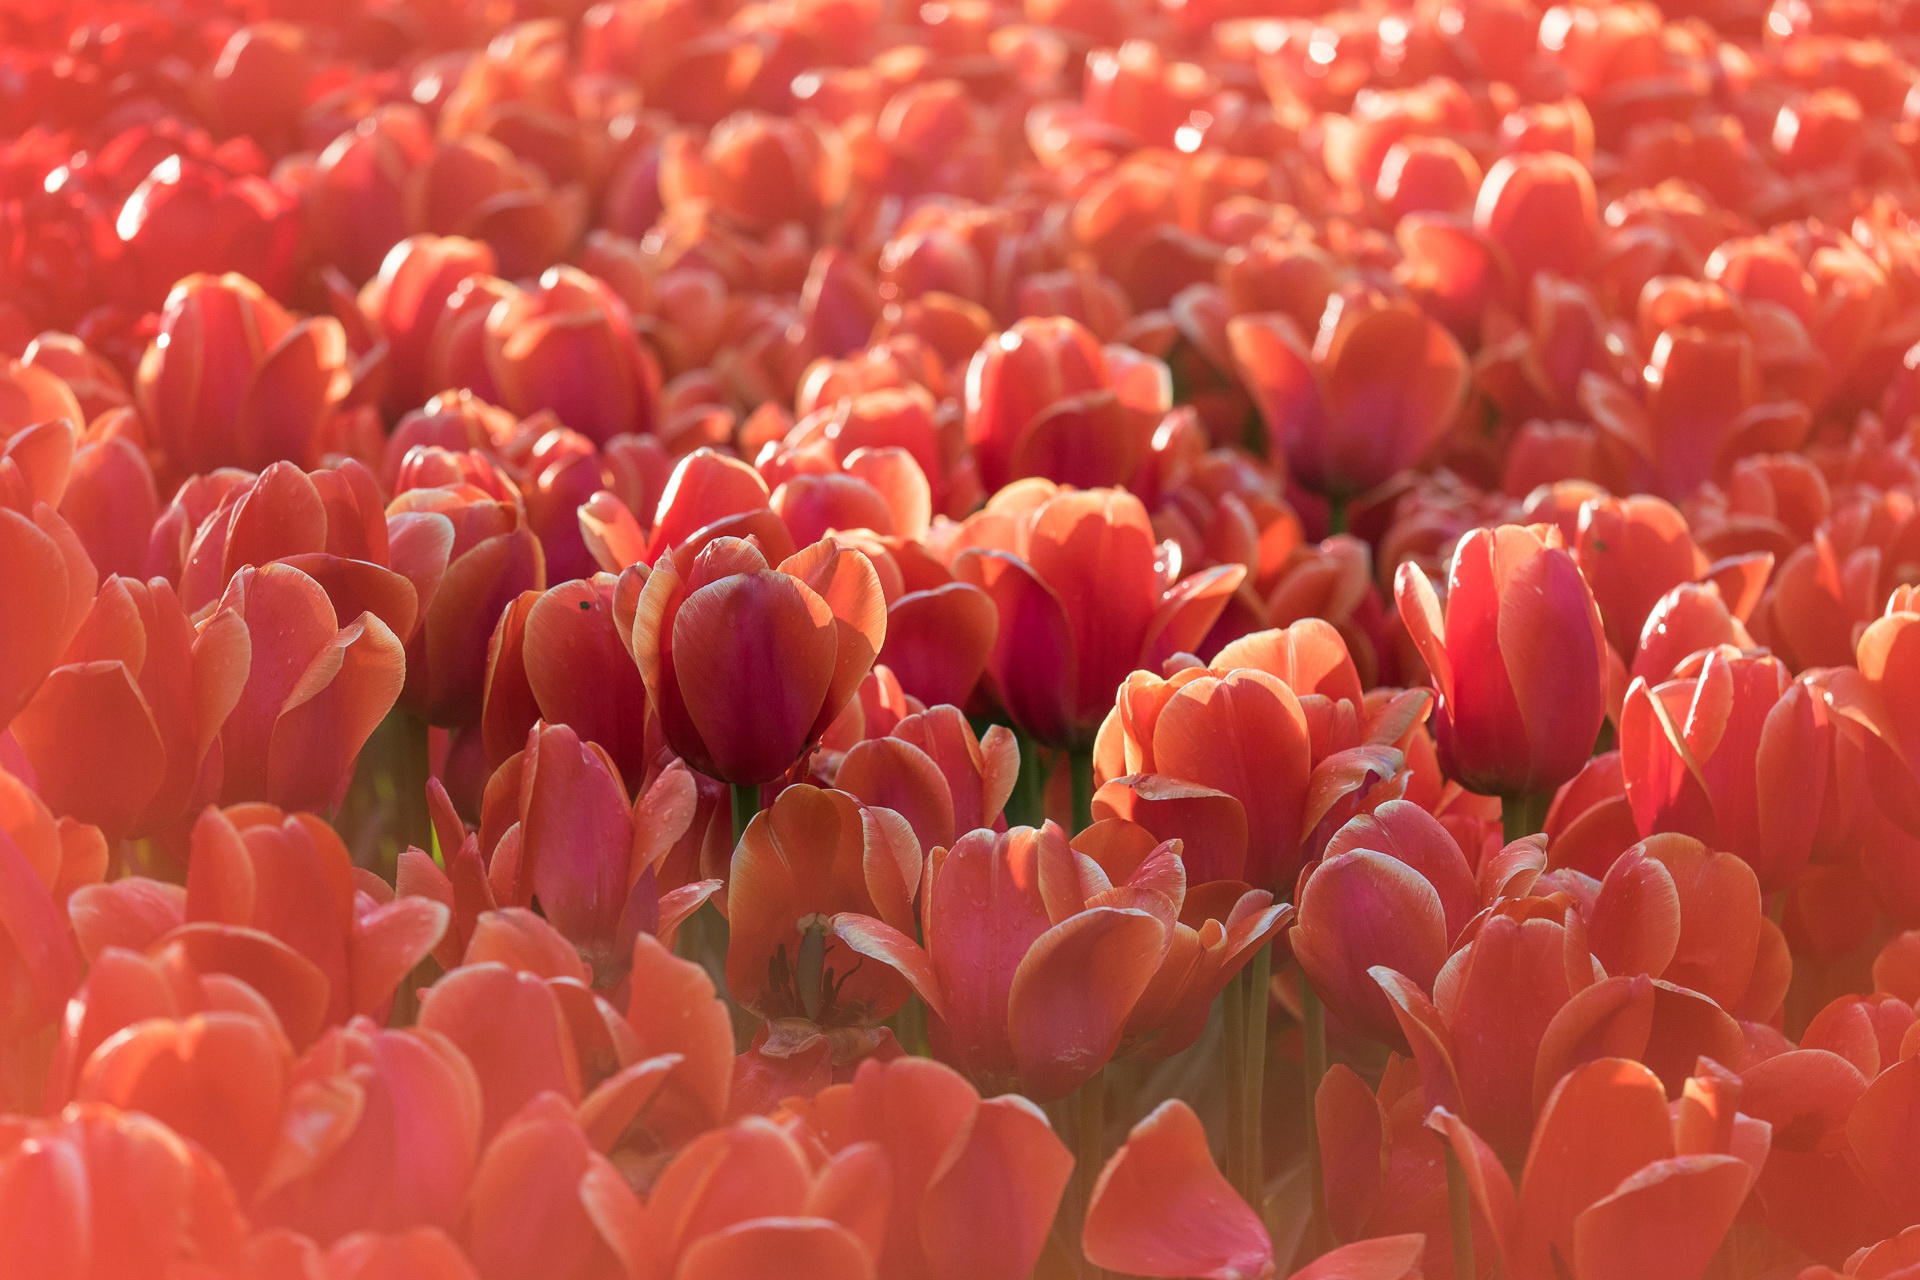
[
  {"x": 569, "y": 346},
  {"x": 235, "y": 379},
  {"x": 111, "y": 502},
  {"x": 1518, "y": 660},
  {"x": 1083, "y": 599},
  {"x": 315, "y": 691},
  {"x": 491, "y": 557},
  {"x": 1007, "y": 919},
  {"x": 747, "y": 664},
  {"x": 1364, "y": 398},
  {"x": 1391, "y": 884},
  {"x": 1734, "y": 752},
  {"x": 406, "y": 300},
  {"x": 759, "y": 170},
  {"x": 1046, "y": 399}
]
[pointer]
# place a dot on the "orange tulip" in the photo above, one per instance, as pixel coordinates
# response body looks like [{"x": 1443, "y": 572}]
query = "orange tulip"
[
  {"x": 45, "y": 573},
  {"x": 42, "y": 861},
  {"x": 933, "y": 771},
  {"x": 748, "y": 665},
  {"x": 1518, "y": 660}
]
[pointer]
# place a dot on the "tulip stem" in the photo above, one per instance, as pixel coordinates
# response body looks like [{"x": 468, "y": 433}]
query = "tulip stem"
[
  {"x": 1336, "y": 513},
  {"x": 1524, "y": 814},
  {"x": 1026, "y": 807},
  {"x": 1080, "y": 760},
  {"x": 1233, "y": 1010},
  {"x": 1461, "y": 1217},
  {"x": 746, "y": 803},
  {"x": 1089, "y": 1124},
  {"x": 1313, "y": 1027},
  {"x": 1258, "y": 982}
]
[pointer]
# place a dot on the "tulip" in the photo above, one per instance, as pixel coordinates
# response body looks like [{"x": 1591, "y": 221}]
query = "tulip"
[
  {"x": 994, "y": 970},
  {"x": 111, "y": 503},
  {"x": 1164, "y": 1173},
  {"x": 406, "y": 301},
  {"x": 1732, "y": 751},
  {"x": 43, "y": 861},
  {"x": 153, "y": 695},
  {"x": 1518, "y": 660},
  {"x": 761, "y": 171},
  {"x": 1081, "y": 603},
  {"x": 807, "y": 857},
  {"x": 1615, "y": 1184},
  {"x": 557, "y": 826},
  {"x": 558, "y": 656},
  {"x": 975, "y": 1181},
  {"x": 314, "y": 693},
  {"x": 399, "y": 1117},
  {"x": 49, "y": 583},
  {"x": 117, "y": 1189},
  {"x": 748, "y": 665},
  {"x": 1392, "y": 888},
  {"x": 1364, "y": 399},
  {"x": 234, "y": 379},
  {"x": 491, "y": 557},
  {"x": 1046, "y": 399},
  {"x": 568, "y": 346},
  {"x": 932, "y": 770},
  {"x": 289, "y": 876}
]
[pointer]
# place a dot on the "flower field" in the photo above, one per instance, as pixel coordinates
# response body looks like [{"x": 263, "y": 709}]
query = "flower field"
[{"x": 959, "y": 640}]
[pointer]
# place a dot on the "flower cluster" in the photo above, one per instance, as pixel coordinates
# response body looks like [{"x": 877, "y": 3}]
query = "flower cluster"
[{"x": 825, "y": 640}]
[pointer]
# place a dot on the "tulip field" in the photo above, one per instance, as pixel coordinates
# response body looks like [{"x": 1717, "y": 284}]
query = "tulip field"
[{"x": 959, "y": 639}]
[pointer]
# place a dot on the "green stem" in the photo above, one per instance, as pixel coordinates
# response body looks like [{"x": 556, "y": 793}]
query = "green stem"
[
  {"x": 1336, "y": 513},
  {"x": 1233, "y": 1009},
  {"x": 1258, "y": 982},
  {"x": 1313, "y": 1017},
  {"x": 746, "y": 803},
  {"x": 1089, "y": 1123},
  {"x": 1026, "y": 807},
  {"x": 1524, "y": 814},
  {"x": 1080, "y": 760},
  {"x": 411, "y": 772},
  {"x": 1460, "y": 1213}
]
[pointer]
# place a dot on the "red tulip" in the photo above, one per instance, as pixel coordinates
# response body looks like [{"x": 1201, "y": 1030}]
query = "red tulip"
[
  {"x": 1518, "y": 660},
  {"x": 557, "y": 826},
  {"x": 748, "y": 665},
  {"x": 42, "y": 862},
  {"x": 1082, "y": 600},
  {"x": 1732, "y": 751},
  {"x": 999, "y": 951},
  {"x": 1364, "y": 399},
  {"x": 153, "y": 694},
  {"x": 98, "y": 1191},
  {"x": 974, "y": 1182},
  {"x": 359, "y": 191},
  {"x": 569, "y": 346},
  {"x": 761, "y": 171},
  {"x": 46, "y": 578},
  {"x": 237, "y": 380},
  {"x": 809, "y": 856},
  {"x": 1046, "y": 399},
  {"x": 1616, "y": 1185},
  {"x": 491, "y": 557},
  {"x": 315, "y": 691},
  {"x": 289, "y": 876}
]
